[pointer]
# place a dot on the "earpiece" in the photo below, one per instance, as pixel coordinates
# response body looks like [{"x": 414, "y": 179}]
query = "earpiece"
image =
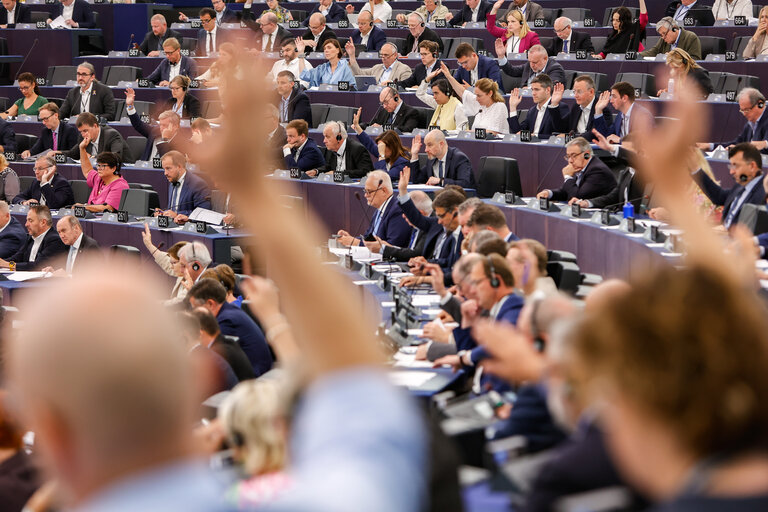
[
  {"x": 743, "y": 178},
  {"x": 434, "y": 55},
  {"x": 760, "y": 103},
  {"x": 675, "y": 29},
  {"x": 339, "y": 138},
  {"x": 587, "y": 156},
  {"x": 494, "y": 280},
  {"x": 195, "y": 265}
]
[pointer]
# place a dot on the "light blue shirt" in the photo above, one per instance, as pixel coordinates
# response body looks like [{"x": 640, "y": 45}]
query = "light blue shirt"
[{"x": 322, "y": 74}]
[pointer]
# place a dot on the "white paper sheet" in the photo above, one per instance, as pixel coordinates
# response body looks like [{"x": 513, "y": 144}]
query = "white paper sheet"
[
  {"x": 21, "y": 276},
  {"x": 410, "y": 379},
  {"x": 59, "y": 22}
]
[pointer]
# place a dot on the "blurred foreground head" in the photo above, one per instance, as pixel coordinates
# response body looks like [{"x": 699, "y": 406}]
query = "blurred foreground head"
[{"x": 103, "y": 380}]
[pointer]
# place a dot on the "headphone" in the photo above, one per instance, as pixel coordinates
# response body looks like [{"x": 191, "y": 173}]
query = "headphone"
[
  {"x": 587, "y": 156},
  {"x": 195, "y": 265},
  {"x": 442, "y": 86},
  {"x": 760, "y": 102},
  {"x": 494, "y": 278},
  {"x": 420, "y": 17},
  {"x": 339, "y": 137},
  {"x": 395, "y": 94}
]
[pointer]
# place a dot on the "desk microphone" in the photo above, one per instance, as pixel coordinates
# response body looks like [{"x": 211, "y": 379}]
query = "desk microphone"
[
  {"x": 365, "y": 211},
  {"x": 21, "y": 68},
  {"x": 130, "y": 45},
  {"x": 130, "y": 42}
]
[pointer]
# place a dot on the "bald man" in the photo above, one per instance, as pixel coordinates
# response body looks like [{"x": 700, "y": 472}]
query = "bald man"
[
  {"x": 317, "y": 34},
  {"x": 445, "y": 165},
  {"x": 367, "y": 33},
  {"x": 152, "y": 45}
]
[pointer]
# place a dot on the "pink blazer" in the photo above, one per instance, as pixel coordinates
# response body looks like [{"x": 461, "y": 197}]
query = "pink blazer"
[{"x": 530, "y": 39}]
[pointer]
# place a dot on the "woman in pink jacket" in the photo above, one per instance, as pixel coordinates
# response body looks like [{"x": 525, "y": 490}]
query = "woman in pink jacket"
[{"x": 518, "y": 37}]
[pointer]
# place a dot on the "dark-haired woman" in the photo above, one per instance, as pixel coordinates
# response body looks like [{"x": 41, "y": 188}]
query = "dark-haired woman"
[
  {"x": 388, "y": 150},
  {"x": 105, "y": 181},
  {"x": 30, "y": 103},
  {"x": 626, "y": 33},
  {"x": 449, "y": 114}
]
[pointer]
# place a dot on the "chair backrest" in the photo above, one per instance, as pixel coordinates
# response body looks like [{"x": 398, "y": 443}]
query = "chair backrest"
[
  {"x": 57, "y": 101},
  {"x": 546, "y": 41},
  {"x": 565, "y": 274},
  {"x": 609, "y": 12},
  {"x": 141, "y": 186},
  {"x": 341, "y": 113},
  {"x": 599, "y": 43},
  {"x": 399, "y": 42},
  {"x": 5, "y": 103},
  {"x": 24, "y": 141},
  {"x": 498, "y": 174},
  {"x": 555, "y": 255},
  {"x": 189, "y": 43},
  {"x": 548, "y": 15},
  {"x": 718, "y": 80},
  {"x": 122, "y": 73},
  {"x": 570, "y": 74},
  {"x": 211, "y": 108},
  {"x": 299, "y": 15},
  {"x": 60, "y": 75},
  {"x": 510, "y": 82},
  {"x": 739, "y": 44},
  {"x": 136, "y": 143},
  {"x": 139, "y": 202},
  {"x": 425, "y": 114},
  {"x": 125, "y": 250},
  {"x": 35, "y": 16},
  {"x": 450, "y": 47},
  {"x": 576, "y": 13},
  {"x": 319, "y": 113},
  {"x": 749, "y": 81},
  {"x": 712, "y": 45},
  {"x": 81, "y": 190},
  {"x": 643, "y": 81},
  {"x": 25, "y": 182},
  {"x": 143, "y": 107}
]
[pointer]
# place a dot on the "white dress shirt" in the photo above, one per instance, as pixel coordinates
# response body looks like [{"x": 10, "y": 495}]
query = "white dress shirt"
[
  {"x": 73, "y": 253},
  {"x": 11, "y": 15},
  {"x": 67, "y": 11},
  {"x": 38, "y": 241},
  {"x": 85, "y": 98}
]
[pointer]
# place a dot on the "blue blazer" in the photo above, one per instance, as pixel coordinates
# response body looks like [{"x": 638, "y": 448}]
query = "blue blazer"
[
  {"x": 82, "y": 13},
  {"x": 67, "y": 136},
  {"x": 458, "y": 170},
  {"x": 310, "y": 158},
  {"x": 638, "y": 111},
  {"x": 193, "y": 194},
  {"x": 151, "y": 133},
  {"x": 57, "y": 195},
  {"x": 376, "y": 39},
  {"x": 530, "y": 418},
  {"x": 549, "y": 124},
  {"x": 335, "y": 13},
  {"x": 726, "y": 197},
  {"x": 393, "y": 227},
  {"x": 373, "y": 149},
  {"x": 163, "y": 71},
  {"x": 746, "y": 135},
  {"x": 233, "y": 321},
  {"x": 11, "y": 238},
  {"x": 8, "y": 136},
  {"x": 596, "y": 180},
  {"x": 486, "y": 68},
  {"x": 429, "y": 225},
  {"x": 509, "y": 313}
]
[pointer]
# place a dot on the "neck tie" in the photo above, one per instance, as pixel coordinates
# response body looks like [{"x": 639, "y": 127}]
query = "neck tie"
[
  {"x": 440, "y": 170},
  {"x": 284, "y": 110},
  {"x": 55, "y": 141},
  {"x": 439, "y": 245},
  {"x": 751, "y": 134},
  {"x": 71, "y": 259},
  {"x": 415, "y": 45},
  {"x": 565, "y": 46},
  {"x": 392, "y": 118},
  {"x": 339, "y": 157},
  {"x": 209, "y": 43},
  {"x": 269, "y": 44},
  {"x": 376, "y": 223},
  {"x": 412, "y": 243},
  {"x": 174, "y": 193}
]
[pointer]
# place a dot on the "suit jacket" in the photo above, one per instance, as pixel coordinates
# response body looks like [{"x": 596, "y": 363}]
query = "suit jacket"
[
  {"x": 222, "y": 36},
  {"x": 486, "y": 68},
  {"x": 234, "y": 355},
  {"x": 335, "y": 13},
  {"x": 276, "y": 142},
  {"x": 687, "y": 41},
  {"x": 392, "y": 228},
  {"x": 58, "y": 193},
  {"x": 448, "y": 253},
  {"x": 11, "y": 238},
  {"x": 628, "y": 185},
  {"x": 228, "y": 16},
  {"x": 235, "y": 322},
  {"x": 51, "y": 247},
  {"x": 151, "y": 42},
  {"x": 465, "y": 14},
  {"x": 310, "y": 157},
  {"x": 82, "y": 13},
  {"x": 151, "y": 133},
  {"x": 569, "y": 123},
  {"x": 163, "y": 71},
  {"x": 391, "y": 252},
  {"x": 458, "y": 170},
  {"x": 549, "y": 124},
  {"x": 102, "y": 102},
  {"x": 726, "y": 197},
  {"x": 190, "y": 106},
  {"x": 194, "y": 193},
  {"x": 356, "y": 158},
  {"x": 299, "y": 106},
  {"x": 419, "y": 75},
  {"x": 7, "y": 136},
  {"x": 638, "y": 112},
  {"x": 747, "y": 135},
  {"x": 87, "y": 245},
  {"x": 280, "y": 35},
  {"x": 698, "y": 12},
  {"x": 67, "y": 137},
  {"x": 376, "y": 39},
  {"x": 533, "y": 11},
  {"x": 23, "y": 14},
  {"x": 579, "y": 41},
  {"x": 326, "y": 35},
  {"x": 400, "y": 71},
  {"x": 553, "y": 69},
  {"x": 109, "y": 140},
  {"x": 427, "y": 35},
  {"x": 406, "y": 119},
  {"x": 596, "y": 180}
]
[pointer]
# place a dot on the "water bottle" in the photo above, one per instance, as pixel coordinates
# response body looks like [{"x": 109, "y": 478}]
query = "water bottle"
[
  {"x": 629, "y": 210},
  {"x": 671, "y": 86}
]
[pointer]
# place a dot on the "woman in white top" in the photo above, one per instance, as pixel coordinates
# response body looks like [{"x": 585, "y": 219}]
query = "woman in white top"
[
  {"x": 758, "y": 43},
  {"x": 380, "y": 9},
  {"x": 728, "y": 9},
  {"x": 169, "y": 262},
  {"x": 485, "y": 103}
]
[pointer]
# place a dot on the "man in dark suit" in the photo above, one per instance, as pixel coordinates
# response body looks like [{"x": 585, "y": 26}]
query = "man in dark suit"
[
  {"x": 417, "y": 245},
  {"x": 12, "y": 233},
  {"x": 103, "y": 138},
  {"x": 56, "y": 135},
  {"x": 299, "y": 150},
  {"x": 293, "y": 103},
  {"x": 547, "y": 110},
  {"x": 746, "y": 169},
  {"x": 539, "y": 63},
  {"x": 418, "y": 32},
  {"x": 473, "y": 67},
  {"x": 223, "y": 15},
  {"x": 161, "y": 138},
  {"x": 276, "y": 138},
  {"x": 445, "y": 166},
  {"x": 344, "y": 154},
  {"x": 233, "y": 321},
  {"x": 429, "y": 63},
  {"x": 82, "y": 14},
  {"x": 395, "y": 114},
  {"x": 226, "y": 347},
  {"x": 7, "y": 136},
  {"x": 585, "y": 176},
  {"x": 581, "y": 118},
  {"x": 751, "y": 104},
  {"x": 672, "y": 35},
  {"x": 630, "y": 116},
  {"x": 14, "y": 12},
  {"x": 474, "y": 11},
  {"x": 567, "y": 40},
  {"x": 42, "y": 244},
  {"x": 78, "y": 244},
  {"x": 679, "y": 10},
  {"x": 269, "y": 35},
  {"x": 367, "y": 33},
  {"x": 531, "y": 10},
  {"x": 387, "y": 223},
  {"x": 186, "y": 191},
  {"x": 152, "y": 45},
  {"x": 173, "y": 65},
  {"x": 89, "y": 96},
  {"x": 332, "y": 11},
  {"x": 49, "y": 188},
  {"x": 317, "y": 34},
  {"x": 210, "y": 37}
]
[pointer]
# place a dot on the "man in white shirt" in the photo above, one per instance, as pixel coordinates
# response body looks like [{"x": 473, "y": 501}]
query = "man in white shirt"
[
  {"x": 390, "y": 69},
  {"x": 13, "y": 13},
  {"x": 42, "y": 243},
  {"x": 290, "y": 62},
  {"x": 380, "y": 9},
  {"x": 71, "y": 233}
]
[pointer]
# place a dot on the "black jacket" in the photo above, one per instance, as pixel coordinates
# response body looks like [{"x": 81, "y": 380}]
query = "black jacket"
[
  {"x": 465, "y": 14},
  {"x": 190, "y": 106},
  {"x": 418, "y": 75},
  {"x": 58, "y": 193},
  {"x": 109, "y": 140},
  {"x": 579, "y": 41},
  {"x": 151, "y": 41},
  {"x": 570, "y": 122},
  {"x": 406, "y": 119},
  {"x": 298, "y": 107},
  {"x": 102, "y": 102},
  {"x": 596, "y": 180},
  {"x": 51, "y": 247},
  {"x": 23, "y": 14},
  {"x": 234, "y": 355},
  {"x": 326, "y": 35},
  {"x": 11, "y": 238},
  {"x": 427, "y": 35},
  {"x": 67, "y": 137},
  {"x": 356, "y": 158}
]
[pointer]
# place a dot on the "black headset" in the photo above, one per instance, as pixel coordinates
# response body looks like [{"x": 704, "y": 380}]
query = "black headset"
[
  {"x": 339, "y": 138},
  {"x": 443, "y": 86},
  {"x": 195, "y": 265},
  {"x": 587, "y": 155},
  {"x": 760, "y": 102},
  {"x": 395, "y": 94},
  {"x": 494, "y": 280}
]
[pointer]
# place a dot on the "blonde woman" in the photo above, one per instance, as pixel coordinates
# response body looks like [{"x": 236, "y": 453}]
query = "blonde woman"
[
  {"x": 758, "y": 43},
  {"x": 517, "y": 37},
  {"x": 682, "y": 65},
  {"x": 484, "y": 102}
]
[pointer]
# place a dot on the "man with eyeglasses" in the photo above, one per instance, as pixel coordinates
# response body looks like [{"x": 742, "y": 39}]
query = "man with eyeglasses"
[
  {"x": 289, "y": 62},
  {"x": 539, "y": 63},
  {"x": 671, "y": 36},
  {"x": 585, "y": 176},
  {"x": 387, "y": 223},
  {"x": 581, "y": 117},
  {"x": 394, "y": 114},
  {"x": 317, "y": 34},
  {"x": 49, "y": 188},
  {"x": 390, "y": 69},
  {"x": 161, "y": 138},
  {"x": 367, "y": 33},
  {"x": 429, "y": 63},
  {"x": 152, "y": 45},
  {"x": 56, "y": 134},
  {"x": 210, "y": 37},
  {"x": 89, "y": 95},
  {"x": 175, "y": 64},
  {"x": 270, "y": 36},
  {"x": 418, "y": 32},
  {"x": 567, "y": 40},
  {"x": 752, "y": 107}
]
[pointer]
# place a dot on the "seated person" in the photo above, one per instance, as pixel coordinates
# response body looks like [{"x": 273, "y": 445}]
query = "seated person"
[
  {"x": 581, "y": 118},
  {"x": 14, "y": 12},
  {"x": 625, "y": 34},
  {"x": 672, "y": 35},
  {"x": 473, "y": 67},
  {"x": 527, "y": 259},
  {"x": 729, "y": 9},
  {"x": 485, "y": 103},
  {"x": 429, "y": 63},
  {"x": 30, "y": 102},
  {"x": 445, "y": 165},
  {"x": 186, "y": 191},
  {"x": 49, "y": 188},
  {"x": 387, "y": 223},
  {"x": 630, "y": 117},
  {"x": 105, "y": 181},
  {"x": 418, "y": 32},
  {"x": 317, "y": 34},
  {"x": 332, "y": 12},
  {"x": 152, "y": 45},
  {"x": 182, "y": 102},
  {"x": 344, "y": 154},
  {"x": 101, "y": 139},
  {"x": 380, "y": 9},
  {"x": 367, "y": 33},
  {"x": 394, "y": 113},
  {"x": 544, "y": 116},
  {"x": 56, "y": 134},
  {"x": 211, "y": 337},
  {"x": 290, "y": 62},
  {"x": 301, "y": 151},
  {"x": 89, "y": 95},
  {"x": 516, "y": 37},
  {"x": 681, "y": 67},
  {"x": 226, "y": 64},
  {"x": 293, "y": 103},
  {"x": 78, "y": 244},
  {"x": 538, "y": 63},
  {"x": 12, "y": 233},
  {"x": 487, "y": 217},
  {"x": 169, "y": 262},
  {"x": 9, "y": 181},
  {"x": 751, "y": 103},
  {"x": 431, "y": 10},
  {"x": 42, "y": 244},
  {"x": 210, "y": 37},
  {"x": 585, "y": 176},
  {"x": 390, "y": 69},
  {"x": 76, "y": 14},
  {"x": 757, "y": 43},
  {"x": 270, "y": 36},
  {"x": 388, "y": 149},
  {"x": 567, "y": 40},
  {"x": 333, "y": 71},
  {"x": 160, "y": 139},
  {"x": 221, "y": 377},
  {"x": 7, "y": 137},
  {"x": 173, "y": 65},
  {"x": 423, "y": 203},
  {"x": 449, "y": 112},
  {"x": 473, "y": 11}
]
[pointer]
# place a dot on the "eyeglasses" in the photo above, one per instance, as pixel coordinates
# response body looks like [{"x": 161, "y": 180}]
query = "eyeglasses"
[
  {"x": 83, "y": 74},
  {"x": 745, "y": 110},
  {"x": 43, "y": 168},
  {"x": 562, "y": 29},
  {"x": 573, "y": 156},
  {"x": 171, "y": 52},
  {"x": 24, "y": 87},
  {"x": 175, "y": 88},
  {"x": 444, "y": 214},
  {"x": 369, "y": 193},
  {"x": 43, "y": 119},
  {"x": 206, "y": 21},
  {"x": 386, "y": 55},
  {"x": 475, "y": 282},
  {"x": 103, "y": 166}
]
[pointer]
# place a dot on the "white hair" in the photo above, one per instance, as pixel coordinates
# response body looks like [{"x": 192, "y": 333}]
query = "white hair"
[
  {"x": 386, "y": 181},
  {"x": 196, "y": 251},
  {"x": 422, "y": 201},
  {"x": 337, "y": 128}
]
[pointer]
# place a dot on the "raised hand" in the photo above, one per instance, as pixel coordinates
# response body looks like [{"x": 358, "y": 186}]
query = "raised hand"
[
  {"x": 501, "y": 48},
  {"x": 602, "y": 102},
  {"x": 130, "y": 96},
  {"x": 356, "y": 121},
  {"x": 601, "y": 141},
  {"x": 415, "y": 145},
  {"x": 515, "y": 98},
  {"x": 350, "y": 48},
  {"x": 497, "y": 6},
  {"x": 301, "y": 45},
  {"x": 557, "y": 94},
  {"x": 402, "y": 184}
]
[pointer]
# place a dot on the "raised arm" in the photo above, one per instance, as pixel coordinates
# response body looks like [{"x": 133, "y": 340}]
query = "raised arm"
[
  {"x": 85, "y": 158},
  {"x": 459, "y": 88}
]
